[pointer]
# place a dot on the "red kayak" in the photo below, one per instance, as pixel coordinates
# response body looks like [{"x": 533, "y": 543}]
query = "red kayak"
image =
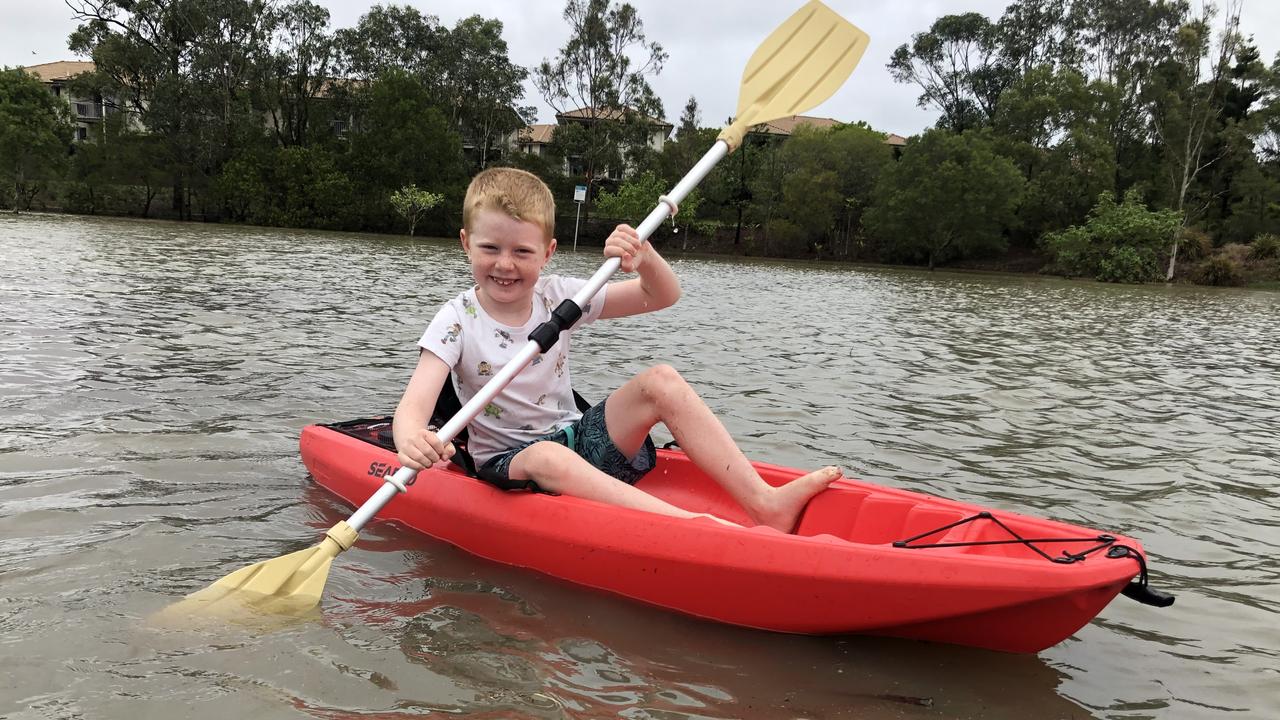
[{"x": 863, "y": 559}]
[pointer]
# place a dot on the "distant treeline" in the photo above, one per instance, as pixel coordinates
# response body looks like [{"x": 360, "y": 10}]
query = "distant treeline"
[{"x": 1123, "y": 140}]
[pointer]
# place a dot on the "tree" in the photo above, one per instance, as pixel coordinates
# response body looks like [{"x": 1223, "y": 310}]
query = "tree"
[
  {"x": 825, "y": 179},
  {"x": 184, "y": 68},
  {"x": 1122, "y": 41},
  {"x": 633, "y": 200},
  {"x": 1049, "y": 124},
  {"x": 690, "y": 119},
  {"x": 480, "y": 87},
  {"x": 411, "y": 204},
  {"x": 35, "y": 132},
  {"x": 391, "y": 37},
  {"x": 957, "y": 65},
  {"x": 1185, "y": 102},
  {"x": 948, "y": 196},
  {"x": 1038, "y": 34},
  {"x": 299, "y": 70},
  {"x": 595, "y": 73},
  {"x": 401, "y": 138}
]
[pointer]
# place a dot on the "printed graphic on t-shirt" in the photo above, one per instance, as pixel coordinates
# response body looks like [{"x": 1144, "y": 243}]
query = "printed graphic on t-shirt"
[{"x": 476, "y": 347}]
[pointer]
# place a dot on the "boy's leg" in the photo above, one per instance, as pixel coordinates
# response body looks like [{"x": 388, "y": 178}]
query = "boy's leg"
[
  {"x": 659, "y": 394},
  {"x": 558, "y": 469}
]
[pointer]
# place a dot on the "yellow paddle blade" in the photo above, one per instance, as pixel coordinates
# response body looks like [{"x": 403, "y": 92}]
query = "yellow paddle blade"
[
  {"x": 796, "y": 68},
  {"x": 290, "y": 584}
]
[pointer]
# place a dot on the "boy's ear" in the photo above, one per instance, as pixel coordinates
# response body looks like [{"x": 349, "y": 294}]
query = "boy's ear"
[
  {"x": 462, "y": 236},
  {"x": 551, "y": 248}
]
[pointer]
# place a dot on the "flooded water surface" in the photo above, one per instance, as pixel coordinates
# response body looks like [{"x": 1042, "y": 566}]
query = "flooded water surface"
[{"x": 154, "y": 378}]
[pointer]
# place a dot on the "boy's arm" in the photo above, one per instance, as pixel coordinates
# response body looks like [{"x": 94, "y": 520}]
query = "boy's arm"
[
  {"x": 655, "y": 289},
  {"x": 418, "y": 447}
]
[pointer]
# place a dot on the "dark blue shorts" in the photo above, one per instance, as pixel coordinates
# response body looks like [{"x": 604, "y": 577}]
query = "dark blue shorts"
[{"x": 589, "y": 438}]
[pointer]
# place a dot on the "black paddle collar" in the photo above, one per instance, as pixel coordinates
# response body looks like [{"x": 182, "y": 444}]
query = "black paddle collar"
[{"x": 562, "y": 318}]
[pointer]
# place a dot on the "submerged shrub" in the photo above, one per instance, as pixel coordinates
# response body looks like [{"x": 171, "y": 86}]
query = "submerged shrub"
[
  {"x": 1121, "y": 242},
  {"x": 1127, "y": 264}
]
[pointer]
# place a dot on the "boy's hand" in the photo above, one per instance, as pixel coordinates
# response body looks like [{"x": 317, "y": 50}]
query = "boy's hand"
[
  {"x": 624, "y": 243},
  {"x": 423, "y": 450}
]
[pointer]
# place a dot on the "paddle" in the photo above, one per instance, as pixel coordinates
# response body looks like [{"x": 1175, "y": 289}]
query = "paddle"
[{"x": 801, "y": 64}]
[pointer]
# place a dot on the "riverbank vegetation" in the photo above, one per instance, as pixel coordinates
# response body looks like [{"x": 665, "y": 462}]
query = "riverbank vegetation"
[{"x": 1117, "y": 140}]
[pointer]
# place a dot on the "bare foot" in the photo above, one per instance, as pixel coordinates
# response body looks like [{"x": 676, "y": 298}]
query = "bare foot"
[{"x": 786, "y": 502}]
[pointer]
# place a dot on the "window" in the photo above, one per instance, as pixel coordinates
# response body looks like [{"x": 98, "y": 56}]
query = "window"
[{"x": 82, "y": 133}]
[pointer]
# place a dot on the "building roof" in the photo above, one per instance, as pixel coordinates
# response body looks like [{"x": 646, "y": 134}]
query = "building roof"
[
  {"x": 537, "y": 134},
  {"x": 895, "y": 140},
  {"x": 60, "y": 70},
  {"x": 592, "y": 114}
]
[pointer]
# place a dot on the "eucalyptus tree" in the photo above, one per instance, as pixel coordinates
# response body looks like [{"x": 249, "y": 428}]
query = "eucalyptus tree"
[
  {"x": 1185, "y": 100},
  {"x": 602, "y": 72},
  {"x": 958, "y": 66},
  {"x": 1039, "y": 33},
  {"x": 1123, "y": 41},
  {"x": 35, "y": 133}
]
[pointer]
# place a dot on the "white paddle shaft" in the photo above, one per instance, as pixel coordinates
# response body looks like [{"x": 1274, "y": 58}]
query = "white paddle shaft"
[{"x": 399, "y": 481}]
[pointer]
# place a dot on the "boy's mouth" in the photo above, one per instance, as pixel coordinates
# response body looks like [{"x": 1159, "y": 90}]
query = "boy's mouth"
[{"x": 503, "y": 282}]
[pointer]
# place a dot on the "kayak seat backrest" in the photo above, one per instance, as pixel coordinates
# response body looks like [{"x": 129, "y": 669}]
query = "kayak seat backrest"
[
  {"x": 861, "y": 517},
  {"x": 448, "y": 405}
]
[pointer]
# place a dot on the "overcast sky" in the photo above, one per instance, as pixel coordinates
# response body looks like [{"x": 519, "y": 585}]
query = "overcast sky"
[{"x": 708, "y": 43}]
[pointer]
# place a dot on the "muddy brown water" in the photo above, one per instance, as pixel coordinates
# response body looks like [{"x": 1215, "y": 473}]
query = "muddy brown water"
[{"x": 154, "y": 378}]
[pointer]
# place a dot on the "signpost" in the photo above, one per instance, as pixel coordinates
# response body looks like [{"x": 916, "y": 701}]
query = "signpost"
[{"x": 579, "y": 197}]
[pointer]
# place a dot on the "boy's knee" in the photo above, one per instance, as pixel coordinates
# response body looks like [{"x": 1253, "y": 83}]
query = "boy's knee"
[
  {"x": 543, "y": 458},
  {"x": 664, "y": 376}
]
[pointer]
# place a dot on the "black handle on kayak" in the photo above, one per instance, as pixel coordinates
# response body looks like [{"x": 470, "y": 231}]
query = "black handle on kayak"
[
  {"x": 1144, "y": 594},
  {"x": 1139, "y": 589}
]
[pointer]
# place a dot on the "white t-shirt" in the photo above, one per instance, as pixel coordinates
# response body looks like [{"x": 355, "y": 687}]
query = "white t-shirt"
[{"x": 476, "y": 347}]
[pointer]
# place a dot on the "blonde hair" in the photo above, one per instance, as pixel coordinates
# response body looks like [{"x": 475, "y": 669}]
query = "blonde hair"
[{"x": 519, "y": 194}]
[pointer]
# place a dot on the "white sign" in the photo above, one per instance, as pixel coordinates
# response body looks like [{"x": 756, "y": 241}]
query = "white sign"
[{"x": 580, "y": 193}]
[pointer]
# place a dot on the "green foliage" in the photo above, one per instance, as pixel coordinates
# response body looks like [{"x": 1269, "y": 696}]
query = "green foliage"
[
  {"x": 786, "y": 238},
  {"x": 1265, "y": 247},
  {"x": 412, "y": 203},
  {"x": 290, "y": 187},
  {"x": 1127, "y": 264},
  {"x": 1122, "y": 242},
  {"x": 35, "y": 134},
  {"x": 957, "y": 65},
  {"x": 401, "y": 139},
  {"x": 949, "y": 196},
  {"x": 633, "y": 199}
]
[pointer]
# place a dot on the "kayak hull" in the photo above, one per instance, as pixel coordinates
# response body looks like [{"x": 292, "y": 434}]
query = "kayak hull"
[{"x": 840, "y": 573}]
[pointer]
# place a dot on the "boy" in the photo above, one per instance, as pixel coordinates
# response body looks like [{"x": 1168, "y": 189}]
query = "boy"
[{"x": 532, "y": 436}]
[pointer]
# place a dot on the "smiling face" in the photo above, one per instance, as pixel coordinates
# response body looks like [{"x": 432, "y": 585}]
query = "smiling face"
[{"x": 507, "y": 256}]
